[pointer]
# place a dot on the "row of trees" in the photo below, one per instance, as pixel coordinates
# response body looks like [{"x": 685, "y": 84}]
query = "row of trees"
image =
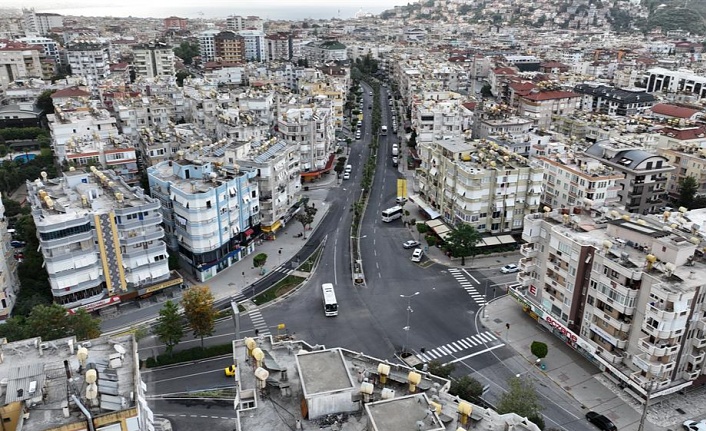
[
  {"x": 199, "y": 313},
  {"x": 51, "y": 322}
]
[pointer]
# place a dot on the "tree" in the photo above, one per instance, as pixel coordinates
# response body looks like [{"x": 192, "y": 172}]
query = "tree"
[
  {"x": 467, "y": 388},
  {"x": 412, "y": 143},
  {"x": 486, "y": 90},
  {"x": 13, "y": 208},
  {"x": 438, "y": 369},
  {"x": 259, "y": 259},
  {"x": 84, "y": 326},
  {"x": 48, "y": 321},
  {"x": 539, "y": 349},
  {"x": 14, "y": 329},
  {"x": 687, "y": 192},
  {"x": 169, "y": 329},
  {"x": 462, "y": 240},
  {"x": 199, "y": 311},
  {"x": 187, "y": 51},
  {"x": 521, "y": 398},
  {"x": 181, "y": 76},
  {"x": 44, "y": 102},
  {"x": 306, "y": 215}
]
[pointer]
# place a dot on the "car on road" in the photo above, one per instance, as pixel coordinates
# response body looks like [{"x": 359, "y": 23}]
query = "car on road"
[
  {"x": 694, "y": 426},
  {"x": 346, "y": 175},
  {"x": 417, "y": 255},
  {"x": 410, "y": 244},
  {"x": 509, "y": 269},
  {"x": 400, "y": 200},
  {"x": 601, "y": 422},
  {"x": 17, "y": 244},
  {"x": 229, "y": 371}
]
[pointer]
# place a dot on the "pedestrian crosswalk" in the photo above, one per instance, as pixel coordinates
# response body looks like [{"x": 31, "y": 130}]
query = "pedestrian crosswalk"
[
  {"x": 479, "y": 342},
  {"x": 258, "y": 322},
  {"x": 463, "y": 279}
]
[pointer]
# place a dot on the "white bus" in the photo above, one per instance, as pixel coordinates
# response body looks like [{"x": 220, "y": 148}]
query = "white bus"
[
  {"x": 330, "y": 304},
  {"x": 391, "y": 214}
]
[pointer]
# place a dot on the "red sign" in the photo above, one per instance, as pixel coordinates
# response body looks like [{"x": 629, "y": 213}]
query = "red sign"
[
  {"x": 561, "y": 328},
  {"x": 93, "y": 306},
  {"x": 533, "y": 289}
]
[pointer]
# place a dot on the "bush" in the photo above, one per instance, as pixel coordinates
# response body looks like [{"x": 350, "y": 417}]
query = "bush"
[
  {"x": 259, "y": 260},
  {"x": 467, "y": 388},
  {"x": 422, "y": 228},
  {"x": 539, "y": 349},
  {"x": 431, "y": 240}
]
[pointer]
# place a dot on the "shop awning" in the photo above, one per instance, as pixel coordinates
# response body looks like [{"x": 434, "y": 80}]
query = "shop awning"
[
  {"x": 434, "y": 223},
  {"x": 272, "y": 228},
  {"x": 491, "y": 240},
  {"x": 249, "y": 232},
  {"x": 506, "y": 239},
  {"x": 424, "y": 206}
]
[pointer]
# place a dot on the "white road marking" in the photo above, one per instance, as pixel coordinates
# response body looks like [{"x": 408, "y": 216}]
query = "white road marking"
[{"x": 474, "y": 354}]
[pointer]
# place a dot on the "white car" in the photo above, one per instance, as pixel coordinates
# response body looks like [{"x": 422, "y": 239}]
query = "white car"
[
  {"x": 346, "y": 175},
  {"x": 509, "y": 269},
  {"x": 417, "y": 255},
  {"x": 410, "y": 244},
  {"x": 694, "y": 426}
]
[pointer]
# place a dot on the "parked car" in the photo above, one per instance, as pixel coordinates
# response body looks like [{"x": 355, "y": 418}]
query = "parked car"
[
  {"x": 509, "y": 269},
  {"x": 229, "y": 371},
  {"x": 601, "y": 422},
  {"x": 400, "y": 200},
  {"x": 694, "y": 426},
  {"x": 410, "y": 244},
  {"x": 346, "y": 175},
  {"x": 17, "y": 244},
  {"x": 417, "y": 255}
]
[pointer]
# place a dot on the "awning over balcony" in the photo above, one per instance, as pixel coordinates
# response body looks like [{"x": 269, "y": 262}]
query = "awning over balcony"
[{"x": 424, "y": 206}]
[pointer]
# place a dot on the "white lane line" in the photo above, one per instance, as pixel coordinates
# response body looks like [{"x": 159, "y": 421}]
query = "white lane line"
[
  {"x": 468, "y": 274},
  {"x": 474, "y": 354}
]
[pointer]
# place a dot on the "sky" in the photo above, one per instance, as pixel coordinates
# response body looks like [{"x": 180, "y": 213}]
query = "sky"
[{"x": 273, "y": 9}]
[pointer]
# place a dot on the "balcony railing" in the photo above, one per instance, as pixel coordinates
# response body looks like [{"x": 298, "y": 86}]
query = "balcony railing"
[
  {"x": 527, "y": 264},
  {"x": 528, "y": 250},
  {"x": 524, "y": 279},
  {"x": 699, "y": 343}
]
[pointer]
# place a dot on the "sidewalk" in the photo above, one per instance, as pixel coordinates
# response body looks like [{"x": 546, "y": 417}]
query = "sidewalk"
[{"x": 580, "y": 379}]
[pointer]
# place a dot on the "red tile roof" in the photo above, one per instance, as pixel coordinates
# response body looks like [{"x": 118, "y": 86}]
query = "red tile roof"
[
  {"x": 73, "y": 91},
  {"x": 522, "y": 88},
  {"x": 673, "y": 111},
  {"x": 684, "y": 134},
  {"x": 470, "y": 105},
  {"x": 504, "y": 71},
  {"x": 551, "y": 95}
]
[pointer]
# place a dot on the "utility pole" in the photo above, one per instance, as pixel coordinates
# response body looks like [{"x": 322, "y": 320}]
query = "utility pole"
[{"x": 644, "y": 407}]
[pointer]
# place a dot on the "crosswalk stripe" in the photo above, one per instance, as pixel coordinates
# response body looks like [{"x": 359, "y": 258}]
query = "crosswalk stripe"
[
  {"x": 471, "y": 341},
  {"x": 442, "y": 349},
  {"x": 450, "y": 347},
  {"x": 422, "y": 357},
  {"x": 433, "y": 354},
  {"x": 491, "y": 335},
  {"x": 456, "y": 346},
  {"x": 485, "y": 338},
  {"x": 464, "y": 344}
]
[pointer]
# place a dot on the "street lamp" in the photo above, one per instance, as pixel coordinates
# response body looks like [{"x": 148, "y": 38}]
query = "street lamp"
[
  {"x": 409, "y": 311},
  {"x": 641, "y": 426}
]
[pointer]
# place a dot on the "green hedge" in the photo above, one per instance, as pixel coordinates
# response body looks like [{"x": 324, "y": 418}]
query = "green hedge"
[{"x": 192, "y": 354}]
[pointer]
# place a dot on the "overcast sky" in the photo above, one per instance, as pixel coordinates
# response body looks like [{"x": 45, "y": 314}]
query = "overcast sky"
[{"x": 54, "y": 4}]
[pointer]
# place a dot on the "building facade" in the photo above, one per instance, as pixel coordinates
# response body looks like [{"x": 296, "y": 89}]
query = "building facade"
[{"x": 153, "y": 59}]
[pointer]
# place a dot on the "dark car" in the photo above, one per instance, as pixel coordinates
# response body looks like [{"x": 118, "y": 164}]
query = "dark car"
[
  {"x": 601, "y": 422},
  {"x": 18, "y": 244}
]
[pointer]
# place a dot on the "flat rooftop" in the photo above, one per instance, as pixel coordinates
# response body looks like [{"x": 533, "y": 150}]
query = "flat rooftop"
[
  {"x": 405, "y": 413},
  {"x": 323, "y": 371}
]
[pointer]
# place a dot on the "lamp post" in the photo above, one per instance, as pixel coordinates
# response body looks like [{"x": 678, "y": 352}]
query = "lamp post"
[
  {"x": 641, "y": 427},
  {"x": 409, "y": 312}
]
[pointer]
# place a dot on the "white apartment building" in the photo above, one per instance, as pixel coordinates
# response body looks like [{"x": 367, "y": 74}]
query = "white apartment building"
[
  {"x": 278, "y": 177},
  {"x": 682, "y": 81},
  {"x": 100, "y": 238},
  {"x": 18, "y": 60},
  {"x": 116, "y": 153},
  {"x": 311, "y": 127},
  {"x": 626, "y": 293},
  {"x": 211, "y": 209},
  {"x": 154, "y": 59},
  {"x": 237, "y": 23},
  {"x": 279, "y": 46},
  {"x": 134, "y": 114},
  {"x": 577, "y": 182},
  {"x": 478, "y": 183},
  {"x": 255, "y": 45},
  {"x": 318, "y": 53},
  {"x": 489, "y": 124},
  {"x": 201, "y": 104},
  {"x": 9, "y": 284},
  {"x": 207, "y": 45},
  {"x": 164, "y": 143},
  {"x": 89, "y": 59},
  {"x": 41, "y": 23},
  {"x": 436, "y": 117},
  {"x": 51, "y": 48},
  {"x": 541, "y": 106}
]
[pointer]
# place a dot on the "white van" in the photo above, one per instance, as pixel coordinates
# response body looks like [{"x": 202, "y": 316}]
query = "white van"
[
  {"x": 417, "y": 255},
  {"x": 348, "y": 169}
]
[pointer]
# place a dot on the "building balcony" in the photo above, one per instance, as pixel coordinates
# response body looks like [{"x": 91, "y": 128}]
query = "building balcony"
[
  {"x": 618, "y": 341},
  {"x": 691, "y": 375},
  {"x": 695, "y": 358},
  {"x": 528, "y": 264},
  {"x": 659, "y": 348},
  {"x": 699, "y": 343},
  {"x": 665, "y": 334},
  {"x": 655, "y": 368},
  {"x": 614, "y": 357},
  {"x": 661, "y": 312},
  {"x": 524, "y": 279},
  {"x": 701, "y": 325},
  {"x": 528, "y": 250}
]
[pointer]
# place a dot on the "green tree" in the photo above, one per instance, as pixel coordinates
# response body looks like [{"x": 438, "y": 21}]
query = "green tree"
[
  {"x": 462, "y": 240},
  {"x": 438, "y": 369},
  {"x": 48, "y": 321},
  {"x": 83, "y": 325},
  {"x": 539, "y": 349},
  {"x": 44, "y": 102},
  {"x": 259, "y": 260},
  {"x": 467, "y": 388},
  {"x": 169, "y": 329},
  {"x": 14, "y": 208},
  {"x": 521, "y": 398},
  {"x": 306, "y": 215},
  {"x": 199, "y": 311},
  {"x": 14, "y": 329},
  {"x": 486, "y": 90},
  {"x": 181, "y": 76},
  {"x": 187, "y": 51},
  {"x": 686, "y": 192},
  {"x": 412, "y": 143}
]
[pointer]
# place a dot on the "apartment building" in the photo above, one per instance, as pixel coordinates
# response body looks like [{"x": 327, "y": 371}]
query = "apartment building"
[
  {"x": 279, "y": 46},
  {"x": 238, "y": 23},
  {"x": 577, "y": 182},
  {"x": 319, "y": 53},
  {"x": 230, "y": 47},
  {"x": 89, "y": 59},
  {"x": 101, "y": 239},
  {"x": 19, "y": 60},
  {"x": 255, "y": 45},
  {"x": 201, "y": 104},
  {"x": 488, "y": 123},
  {"x": 9, "y": 284},
  {"x": 312, "y": 128},
  {"x": 435, "y": 115},
  {"x": 51, "y": 48},
  {"x": 153, "y": 59},
  {"x": 175, "y": 23},
  {"x": 540, "y": 106},
  {"x": 210, "y": 208},
  {"x": 207, "y": 45},
  {"x": 478, "y": 183},
  {"x": 689, "y": 160},
  {"x": 614, "y": 101},
  {"x": 682, "y": 81},
  {"x": 644, "y": 186},
  {"x": 158, "y": 145},
  {"x": 278, "y": 180},
  {"x": 327, "y": 87},
  {"x": 41, "y": 23},
  {"x": 626, "y": 293},
  {"x": 134, "y": 114},
  {"x": 45, "y": 375}
]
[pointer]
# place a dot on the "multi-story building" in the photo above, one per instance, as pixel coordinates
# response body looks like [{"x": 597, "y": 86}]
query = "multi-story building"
[
  {"x": 101, "y": 239},
  {"x": 210, "y": 207},
  {"x": 153, "y": 59},
  {"x": 626, "y": 293},
  {"x": 48, "y": 373},
  {"x": 644, "y": 186},
  {"x": 540, "y": 106},
  {"x": 174, "y": 23},
  {"x": 312, "y": 129},
  {"x": 491, "y": 123},
  {"x": 238, "y": 23},
  {"x": 278, "y": 180},
  {"x": 89, "y": 59},
  {"x": 435, "y": 117},
  {"x": 478, "y": 183},
  {"x": 614, "y": 101},
  {"x": 41, "y": 23},
  {"x": 676, "y": 81},
  {"x": 9, "y": 285},
  {"x": 255, "y": 45},
  {"x": 19, "y": 60},
  {"x": 324, "y": 52},
  {"x": 51, "y": 48},
  {"x": 165, "y": 142},
  {"x": 230, "y": 47},
  {"x": 207, "y": 45},
  {"x": 578, "y": 182},
  {"x": 279, "y": 46},
  {"x": 689, "y": 161},
  {"x": 134, "y": 114}
]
